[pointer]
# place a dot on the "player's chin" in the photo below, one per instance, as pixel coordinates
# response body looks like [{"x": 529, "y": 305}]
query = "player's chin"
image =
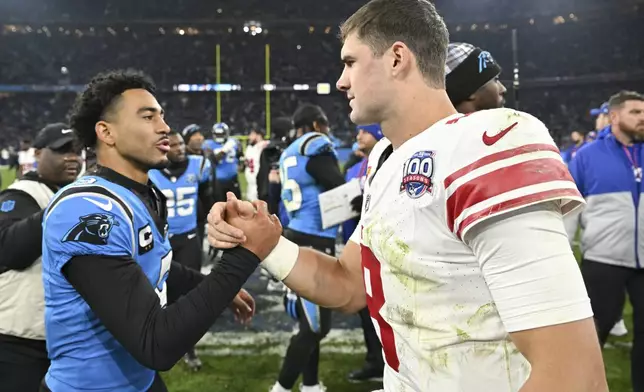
[{"x": 160, "y": 163}]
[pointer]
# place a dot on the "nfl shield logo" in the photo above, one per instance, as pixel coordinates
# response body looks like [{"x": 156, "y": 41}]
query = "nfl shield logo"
[
  {"x": 417, "y": 174},
  {"x": 8, "y": 206}
]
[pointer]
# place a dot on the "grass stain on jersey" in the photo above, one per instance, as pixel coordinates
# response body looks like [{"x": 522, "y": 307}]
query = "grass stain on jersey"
[
  {"x": 438, "y": 360},
  {"x": 462, "y": 335},
  {"x": 394, "y": 252},
  {"x": 482, "y": 314}
]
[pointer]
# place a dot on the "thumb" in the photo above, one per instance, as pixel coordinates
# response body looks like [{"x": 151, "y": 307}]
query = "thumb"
[
  {"x": 245, "y": 209},
  {"x": 232, "y": 209}
]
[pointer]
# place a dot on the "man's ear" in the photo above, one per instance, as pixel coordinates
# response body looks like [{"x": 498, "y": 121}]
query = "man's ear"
[{"x": 104, "y": 132}]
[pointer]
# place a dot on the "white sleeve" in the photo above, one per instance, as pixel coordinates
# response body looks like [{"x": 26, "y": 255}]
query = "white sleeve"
[
  {"x": 530, "y": 269},
  {"x": 571, "y": 222}
]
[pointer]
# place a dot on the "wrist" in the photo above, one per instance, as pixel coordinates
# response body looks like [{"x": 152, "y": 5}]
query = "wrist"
[{"x": 282, "y": 259}]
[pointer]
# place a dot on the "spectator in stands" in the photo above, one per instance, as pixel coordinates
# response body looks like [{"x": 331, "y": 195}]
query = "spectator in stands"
[
  {"x": 23, "y": 354},
  {"x": 578, "y": 139},
  {"x": 608, "y": 174},
  {"x": 602, "y": 119}
]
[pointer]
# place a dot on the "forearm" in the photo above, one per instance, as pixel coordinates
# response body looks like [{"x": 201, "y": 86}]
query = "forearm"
[
  {"x": 181, "y": 280},
  {"x": 566, "y": 370},
  {"x": 322, "y": 279},
  {"x": 157, "y": 337}
]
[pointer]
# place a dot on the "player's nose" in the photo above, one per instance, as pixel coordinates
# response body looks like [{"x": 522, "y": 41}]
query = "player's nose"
[
  {"x": 164, "y": 128},
  {"x": 343, "y": 82}
]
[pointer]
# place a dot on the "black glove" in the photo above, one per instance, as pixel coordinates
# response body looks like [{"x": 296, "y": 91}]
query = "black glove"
[{"x": 356, "y": 204}]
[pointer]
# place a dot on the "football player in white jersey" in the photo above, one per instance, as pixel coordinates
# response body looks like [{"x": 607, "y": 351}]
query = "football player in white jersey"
[
  {"x": 461, "y": 253},
  {"x": 256, "y": 144}
]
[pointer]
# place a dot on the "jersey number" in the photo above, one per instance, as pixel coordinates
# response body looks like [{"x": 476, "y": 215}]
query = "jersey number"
[
  {"x": 180, "y": 202},
  {"x": 289, "y": 184},
  {"x": 231, "y": 156},
  {"x": 161, "y": 287},
  {"x": 375, "y": 302},
  {"x": 251, "y": 165}
]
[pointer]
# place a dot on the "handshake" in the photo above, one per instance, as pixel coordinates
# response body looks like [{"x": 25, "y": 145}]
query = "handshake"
[{"x": 242, "y": 223}]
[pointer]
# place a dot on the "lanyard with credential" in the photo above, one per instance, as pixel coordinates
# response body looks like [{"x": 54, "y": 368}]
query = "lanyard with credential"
[{"x": 632, "y": 158}]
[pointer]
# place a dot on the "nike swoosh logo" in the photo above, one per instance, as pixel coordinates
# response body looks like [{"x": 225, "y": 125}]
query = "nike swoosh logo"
[
  {"x": 105, "y": 206},
  {"x": 66, "y": 131},
  {"x": 191, "y": 236},
  {"x": 490, "y": 140}
]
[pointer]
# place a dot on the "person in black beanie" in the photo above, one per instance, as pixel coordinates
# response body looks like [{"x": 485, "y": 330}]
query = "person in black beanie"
[{"x": 473, "y": 79}]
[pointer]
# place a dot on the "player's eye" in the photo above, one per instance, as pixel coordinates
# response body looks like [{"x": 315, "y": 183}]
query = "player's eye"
[{"x": 149, "y": 118}]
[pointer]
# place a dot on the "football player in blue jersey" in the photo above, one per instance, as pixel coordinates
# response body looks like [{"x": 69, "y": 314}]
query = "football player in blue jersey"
[
  {"x": 194, "y": 139},
  {"x": 185, "y": 183},
  {"x": 117, "y": 308},
  {"x": 308, "y": 167},
  {"x": 224, "y": 152}
]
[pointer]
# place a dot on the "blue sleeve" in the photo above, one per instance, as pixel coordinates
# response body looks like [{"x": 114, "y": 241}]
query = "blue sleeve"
[
  {"x": 206, "y": 170},
  {"x": 85, "y": 224},
  {"x": 208, "y": 144},
  {"x": 565, "y": 155},
  {"x": 316, "y": 144},
  {"x": 576, "y": 169}
]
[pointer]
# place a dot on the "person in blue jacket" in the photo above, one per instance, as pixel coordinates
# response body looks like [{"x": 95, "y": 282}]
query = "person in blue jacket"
[
  {"x": 578, "y": 140},
  {"x": 602, "y": 120},
  {"x": 368, "y": 136},
  {"x": 608, "y": 173}
]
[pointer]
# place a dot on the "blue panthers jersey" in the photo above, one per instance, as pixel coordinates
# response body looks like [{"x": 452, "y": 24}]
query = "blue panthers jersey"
[
  {"x": 299, "y": 190},
  {"x": 182, "y": 193},
  {"x": 94, "y": 216},
  {"x": 226, "y": 169}
]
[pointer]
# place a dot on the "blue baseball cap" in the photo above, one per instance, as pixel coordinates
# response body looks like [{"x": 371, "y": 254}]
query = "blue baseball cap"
[
  {"x": 600, "y": 110},
  {"x": 373, "y": 129}
]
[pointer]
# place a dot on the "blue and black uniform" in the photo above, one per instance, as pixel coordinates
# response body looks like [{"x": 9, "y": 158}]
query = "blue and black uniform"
[
  {"x": 117, "y": 309},
  {"x": 185, "y": 185},
  {"x": 225, "y": 157},
  {"x": 308, "y": 167}
]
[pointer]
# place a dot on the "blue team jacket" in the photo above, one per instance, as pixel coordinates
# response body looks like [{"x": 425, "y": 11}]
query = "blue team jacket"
[{"x": 608, "y": 175}]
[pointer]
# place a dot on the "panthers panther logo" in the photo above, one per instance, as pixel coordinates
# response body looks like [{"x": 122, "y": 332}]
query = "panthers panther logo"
[{"x": 92, "y": 229}]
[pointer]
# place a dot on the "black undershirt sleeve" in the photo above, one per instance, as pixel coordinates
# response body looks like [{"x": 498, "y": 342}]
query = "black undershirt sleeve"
[
  {"x": 121, "y": 296},
  {"x": 181, "y": 280},
  {"x": 324, "y": 169},
  {"x": 20, "y": 231}
]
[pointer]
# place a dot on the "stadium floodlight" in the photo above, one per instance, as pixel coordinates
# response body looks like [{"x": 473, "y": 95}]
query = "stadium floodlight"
[{"x": 253, "y": 27}]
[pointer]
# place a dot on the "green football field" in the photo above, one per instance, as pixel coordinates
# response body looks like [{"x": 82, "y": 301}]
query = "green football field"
[{"x": 229, "y": 368}]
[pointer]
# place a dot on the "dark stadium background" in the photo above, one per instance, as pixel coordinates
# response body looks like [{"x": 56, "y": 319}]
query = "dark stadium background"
[{"x": 560, "y": 59}]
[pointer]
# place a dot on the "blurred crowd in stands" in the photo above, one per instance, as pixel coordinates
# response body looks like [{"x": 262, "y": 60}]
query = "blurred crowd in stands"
[{"x": 570, "y": 59}]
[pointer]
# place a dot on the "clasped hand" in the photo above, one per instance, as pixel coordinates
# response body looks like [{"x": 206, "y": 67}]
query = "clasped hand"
[{"x": 241, "y": 223}]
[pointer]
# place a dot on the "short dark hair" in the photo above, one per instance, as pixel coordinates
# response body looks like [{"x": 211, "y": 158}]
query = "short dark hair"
[
  {"x": 380, "y": 23},
  {"x": 308, "y": 113},
  {"x": 100, "y": 95},
  {"x": 617, "y": 100}
]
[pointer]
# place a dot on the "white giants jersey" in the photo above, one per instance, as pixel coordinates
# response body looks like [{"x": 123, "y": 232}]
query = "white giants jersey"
[
  {"x": 251, "y": 157},
  {"x": 439, "y": 326}
]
